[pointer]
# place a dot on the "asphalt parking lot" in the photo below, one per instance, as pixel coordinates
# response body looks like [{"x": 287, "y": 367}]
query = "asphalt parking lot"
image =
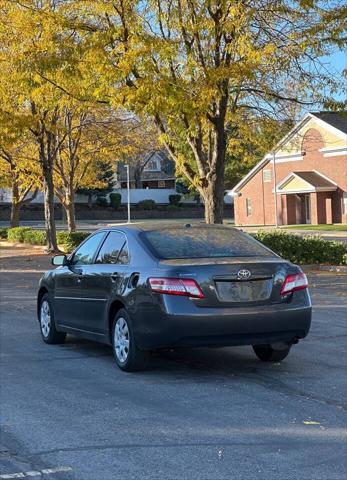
[{"x": 68, "y": 413}]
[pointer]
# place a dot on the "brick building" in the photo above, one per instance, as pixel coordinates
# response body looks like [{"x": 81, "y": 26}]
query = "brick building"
[{"x": 309, "y": 176}]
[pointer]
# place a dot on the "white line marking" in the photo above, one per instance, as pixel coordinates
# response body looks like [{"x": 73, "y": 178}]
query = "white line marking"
[{"x": 35, "y": 473}]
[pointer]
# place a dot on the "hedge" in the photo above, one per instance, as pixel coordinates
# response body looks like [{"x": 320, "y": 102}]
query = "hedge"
[
  {"x": 16, "y": 234},
  {"x": 71, "y": 240},
  {"x": 147, "y": 204},
  {"x": 3, "y": 233},
  {"x": 304, "y": 250},
  {"x": 115, "y": 200}
]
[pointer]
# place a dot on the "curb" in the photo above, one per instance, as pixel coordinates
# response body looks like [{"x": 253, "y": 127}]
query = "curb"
[{"x": 325, "y": 268}]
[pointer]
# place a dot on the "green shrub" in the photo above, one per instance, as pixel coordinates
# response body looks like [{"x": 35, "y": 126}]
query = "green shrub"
[
  {"x": 35, "y": 237},
  {"x": 115, "y": 200},
  {"x": 3, "y": 233},
  {"x": 147, "y": 204},
  {"x": 175, "y": 199},
  {"x": 16, "y": 234},
  {"x": 102, "y": 201},
  {"x": 172, "y": 208},
  {"x": 71, "y": 240},
  {"x": 304, "y": 250}
]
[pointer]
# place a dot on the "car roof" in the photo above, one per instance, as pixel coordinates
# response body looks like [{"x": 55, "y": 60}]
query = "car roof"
[{"x": 147, "y": 226}]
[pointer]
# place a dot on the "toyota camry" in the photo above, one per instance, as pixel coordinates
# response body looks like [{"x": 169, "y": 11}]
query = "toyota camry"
[{"x": 145, "y": 287}]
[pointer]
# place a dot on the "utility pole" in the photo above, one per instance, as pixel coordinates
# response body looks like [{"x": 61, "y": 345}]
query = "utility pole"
[
  {"x": 275, "y": 185},
  {"x": 128, "y": 187}
]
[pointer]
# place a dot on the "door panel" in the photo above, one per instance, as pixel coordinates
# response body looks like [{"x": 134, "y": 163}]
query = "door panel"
[
  {"x": 68, "y": 283},
  {"x": 67, "y": 297},
  {"x": 106, "y": 279}
]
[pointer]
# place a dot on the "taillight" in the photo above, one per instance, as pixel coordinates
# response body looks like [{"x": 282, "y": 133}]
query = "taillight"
[
  {"x": 176, "y": 286},
  {"x": 293, "y": 283}
]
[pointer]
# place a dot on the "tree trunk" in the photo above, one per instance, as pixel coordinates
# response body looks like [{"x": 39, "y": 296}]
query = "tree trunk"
[
  {"x": 213, "y": 189},
  {"x": 15, "y": 209},
  {"x": 213, "y": 196},
  {"x": 15, "y": 206},
  {"x": 49, "y": 211},
  {"x": 69, "y": 206}
]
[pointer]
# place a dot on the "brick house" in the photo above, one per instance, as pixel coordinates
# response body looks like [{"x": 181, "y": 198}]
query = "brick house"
[{"x": 309, "y": 176}]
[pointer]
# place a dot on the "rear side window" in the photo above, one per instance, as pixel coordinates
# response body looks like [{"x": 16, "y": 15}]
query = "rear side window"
[
  {"x": 202, "y": 242},
  {"x": 114, "y": 249}
]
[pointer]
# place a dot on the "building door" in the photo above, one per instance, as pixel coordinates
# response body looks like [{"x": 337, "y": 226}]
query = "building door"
[{"x": 307, "y": 203}]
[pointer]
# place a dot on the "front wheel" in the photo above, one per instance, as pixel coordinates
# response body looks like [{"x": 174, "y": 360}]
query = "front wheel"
[
  {"x": 47, "y": 326},
  {"x": 267, "y": 353},
  {"x": 128, "y": 356}
]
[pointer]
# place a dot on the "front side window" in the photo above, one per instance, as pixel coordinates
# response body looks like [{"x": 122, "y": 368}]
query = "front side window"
[
  {"x": 114, "y": 249},
  {"x": 85, "y": 254}
]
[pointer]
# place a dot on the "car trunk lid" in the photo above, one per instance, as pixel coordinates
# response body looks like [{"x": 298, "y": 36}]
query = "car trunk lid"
[{"x": 233, "y": 281}]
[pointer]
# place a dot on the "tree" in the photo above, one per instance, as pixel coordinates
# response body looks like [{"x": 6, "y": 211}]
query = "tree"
[
  {"x": 196, "y": 66},
  {"x": 255, "y": 140},
  {"x": 102, "y": 182},
  {"x": 20, "y": 173},
  {"x": 18, "y": 167},
  {"x": 90, "y": 138}
]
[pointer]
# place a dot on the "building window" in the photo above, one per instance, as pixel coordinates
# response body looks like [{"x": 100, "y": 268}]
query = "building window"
[
  {"x": 345, "y": 202},
  {"x": 161, "y": 183},
  {"x": 152, "y": 165},
  {"x": 248, "y": 207},
  {"x": 267, "y": 175}
]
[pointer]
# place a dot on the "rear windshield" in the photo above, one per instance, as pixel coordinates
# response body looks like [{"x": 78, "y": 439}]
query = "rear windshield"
[{"x": 202, "y": 242}]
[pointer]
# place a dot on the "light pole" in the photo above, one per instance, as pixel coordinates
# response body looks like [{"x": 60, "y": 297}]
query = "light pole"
[
  {"x": 128, "y": 188},
  {"x": 275, "y": 189}
]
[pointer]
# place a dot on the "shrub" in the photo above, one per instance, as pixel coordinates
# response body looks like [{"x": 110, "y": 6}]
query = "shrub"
[
  {"x": 16, "y": 234},
  {"x": 115, "y": 200},
  {"x": 3, "y": 233},
  {"x": 102, "y": 201},
  {"x": 304, "y": 250},
  {"x": 174, "y": 199},
  {"x": 71, "y": 240},
  {"x": 147, "y": 204},
  {"x": 35, "y": 237},
  {"x": 172, "y": 208}
]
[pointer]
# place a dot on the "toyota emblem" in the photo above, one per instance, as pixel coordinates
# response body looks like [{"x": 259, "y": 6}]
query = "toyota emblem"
[{"x": 243, "y": 274}]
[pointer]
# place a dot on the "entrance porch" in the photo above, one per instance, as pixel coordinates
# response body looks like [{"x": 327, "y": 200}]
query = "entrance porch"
[{"x": 306, "y": 198}]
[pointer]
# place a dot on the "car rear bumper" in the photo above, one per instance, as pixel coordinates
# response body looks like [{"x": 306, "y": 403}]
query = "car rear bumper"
[{"x": 186, "y": 324}]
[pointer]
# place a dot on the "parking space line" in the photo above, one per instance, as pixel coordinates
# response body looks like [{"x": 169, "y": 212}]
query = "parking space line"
[{"x": 34, "y": 473}]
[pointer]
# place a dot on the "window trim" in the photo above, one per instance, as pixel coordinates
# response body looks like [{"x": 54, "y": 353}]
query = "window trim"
[
  {"x": 124, "y": 243},
  {"x": 268, "y": 172},
  {"x": 248, "y": 207}
]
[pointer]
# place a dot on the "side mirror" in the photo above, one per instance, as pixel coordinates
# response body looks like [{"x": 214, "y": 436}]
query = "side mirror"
[{"x": 59, "y": 260}]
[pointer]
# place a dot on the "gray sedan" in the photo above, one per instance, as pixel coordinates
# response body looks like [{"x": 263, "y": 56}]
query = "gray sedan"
[{"x": 140, "y": 288}]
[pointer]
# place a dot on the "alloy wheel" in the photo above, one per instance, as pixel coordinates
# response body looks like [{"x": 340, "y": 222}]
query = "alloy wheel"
[
  {"x": 121, "y": 340},
  {"x": 45, "y": 318}
]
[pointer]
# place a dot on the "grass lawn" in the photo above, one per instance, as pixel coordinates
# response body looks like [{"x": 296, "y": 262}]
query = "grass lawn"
[{"x": 337, "y": 227}]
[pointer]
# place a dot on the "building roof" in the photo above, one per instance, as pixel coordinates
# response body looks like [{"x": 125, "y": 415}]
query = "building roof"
[
  {"x": 300, "y": 182},
  {"x": 315, "y": 179},
  {"x": 337, "y": 120}
]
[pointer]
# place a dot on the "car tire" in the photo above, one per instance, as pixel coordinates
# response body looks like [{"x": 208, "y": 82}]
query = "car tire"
[
  {"x": 267, "y": 353},
  {"x": 48, "y": 329},
  {"x": 128, "y": 356}
]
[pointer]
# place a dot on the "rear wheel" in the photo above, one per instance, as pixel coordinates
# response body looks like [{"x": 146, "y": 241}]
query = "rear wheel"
[
  {"x": 128, "y": 356},
  {"x": 267, "y": 353},
  {"x": 47, "y": 325}
]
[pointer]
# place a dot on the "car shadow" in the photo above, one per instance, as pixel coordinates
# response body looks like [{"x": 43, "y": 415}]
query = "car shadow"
[{"x": 199, "y": 364}]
